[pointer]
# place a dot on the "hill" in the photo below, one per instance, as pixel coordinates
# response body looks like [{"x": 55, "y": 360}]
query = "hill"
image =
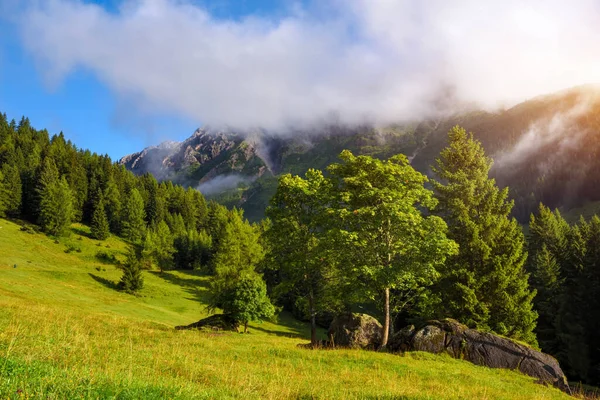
[
  {"x": 545, "y": 150},
  {"x": 66, "y": 332}
]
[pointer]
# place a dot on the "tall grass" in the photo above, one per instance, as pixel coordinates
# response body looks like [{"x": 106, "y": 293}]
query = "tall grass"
[{"x": 65, "y": 332}]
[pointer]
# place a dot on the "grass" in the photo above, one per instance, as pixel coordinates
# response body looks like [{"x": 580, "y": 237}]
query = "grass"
[{"x": 65, "y": 332}]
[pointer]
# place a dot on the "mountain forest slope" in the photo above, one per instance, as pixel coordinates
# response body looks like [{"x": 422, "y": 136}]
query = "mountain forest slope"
[
  {"x": 545, "y": 149},
  {"x": 66, "y": 332}
]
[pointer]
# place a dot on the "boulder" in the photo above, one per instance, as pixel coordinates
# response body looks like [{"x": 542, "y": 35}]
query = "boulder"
[
  {"x": 217, "y": 322},
  {"x": 355, "y": 331},
  {"x": 480, "y": 348}
]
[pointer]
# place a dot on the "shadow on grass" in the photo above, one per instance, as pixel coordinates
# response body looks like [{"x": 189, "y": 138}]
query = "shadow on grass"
[
  {"x": 81, "y": 232},
  {"x": 195, "y": 287},
  {"x": 106, "y": 282}
]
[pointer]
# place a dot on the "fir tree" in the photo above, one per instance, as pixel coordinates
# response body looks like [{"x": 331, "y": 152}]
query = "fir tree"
[
  {"x": 133, "y": 217},
  {"x": 56, "y": 207},
  {"x": 132, "y": 280},
  {"x": 159, "y": 246},
  {"x": 547, "y": 251},
  {"x": 13, "y": 187},
  {"x": 485, "y": 285},
  {"x": 3, "y": 196},
  {"x": 99, "y": 227}
]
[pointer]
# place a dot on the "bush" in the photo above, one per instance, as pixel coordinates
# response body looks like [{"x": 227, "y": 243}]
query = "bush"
[{"x": 106, "y": 257}]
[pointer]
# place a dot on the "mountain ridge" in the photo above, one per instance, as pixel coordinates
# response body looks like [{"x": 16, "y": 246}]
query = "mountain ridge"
[{"x": 544, "y": 150}]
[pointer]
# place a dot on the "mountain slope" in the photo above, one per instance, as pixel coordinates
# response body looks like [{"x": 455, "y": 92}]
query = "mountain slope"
[
  {"x": 545, "y": 149},
  {"x": 65, "y": 332}
]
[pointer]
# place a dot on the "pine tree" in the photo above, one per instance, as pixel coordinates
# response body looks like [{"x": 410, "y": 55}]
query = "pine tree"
[
  {"x": 99, "y": 228},
  {"x": 485, "y": 285},
  {"x": 13, "y": 187},
  {"x": 132, "y": 280},
  {"x": 3, "y": 196},
  {"x": 112, "y": 201},
  {"x": 133, "y": 217},
  {"x": 159, "y": 246},
  {"x": 56, "y": 208},
  {"x": 547, "y": 251}
]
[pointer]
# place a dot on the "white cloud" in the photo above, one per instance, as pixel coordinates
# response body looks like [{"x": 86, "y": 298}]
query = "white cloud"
[{"x": 380, "y": 60}]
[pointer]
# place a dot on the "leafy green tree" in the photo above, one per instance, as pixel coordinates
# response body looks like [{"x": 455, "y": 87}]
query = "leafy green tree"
[
  {"x": 245, "y": 300},
  {"x": 388, "y": 240},
  {"x": 100, "y": 228},
  {"x": 159, "y": 246},
  {"x": 132, "y": 280},
  {"x": 298, "y": 241},
  {"x": 133, "y": 217},
  {"x": 485, "y": 285},
  {"x": 13, "y": 189},
  {"x": 56, "y": 207}
]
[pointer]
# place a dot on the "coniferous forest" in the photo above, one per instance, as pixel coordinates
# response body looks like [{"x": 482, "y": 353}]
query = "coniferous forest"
[{"x": 365, "y": 234}]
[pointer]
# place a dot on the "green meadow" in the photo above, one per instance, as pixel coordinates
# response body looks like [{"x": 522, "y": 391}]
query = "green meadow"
[{"x": 66, "y": 332}]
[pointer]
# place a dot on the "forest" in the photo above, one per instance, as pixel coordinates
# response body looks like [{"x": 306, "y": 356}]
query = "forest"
[{"x": 366, "y": 233}]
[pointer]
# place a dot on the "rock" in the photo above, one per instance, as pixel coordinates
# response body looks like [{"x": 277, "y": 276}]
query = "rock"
[
  {"x": 480, "y": 348},
  {"x": 355, "y": 331},
  {"x": 217, "y": 322}
]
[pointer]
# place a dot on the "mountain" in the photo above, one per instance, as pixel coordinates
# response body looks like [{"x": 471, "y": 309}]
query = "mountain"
[{"x": 545, "y": 149}]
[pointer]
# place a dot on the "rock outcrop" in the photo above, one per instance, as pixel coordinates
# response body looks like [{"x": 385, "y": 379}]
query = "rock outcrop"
[
  {"x": 217, "y": 322},
  {"x": 355, "y": 331},
  {"x": 480, "y": 348}
]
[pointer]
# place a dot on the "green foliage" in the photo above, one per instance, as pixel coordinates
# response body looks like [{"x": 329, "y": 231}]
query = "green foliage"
[
  {"x": 300, "y": 250},
  {"x": 192, "y": 249},
  {"x": 485, "y": 285},
  {"x": 245, "y": 300},
  {"x": 11, "y": 184},
  {"x": 100, "y": 228},
  {"x": 132, "y": 280},
  {"x": 133, "y": 217},
  {"x": 159, "y": 246},
  {"x": 239, "y": 249},
  {"x": 56, "y": 207},
  {"x": 547, "y": 241},
  {"x": 388, "y": 241}
]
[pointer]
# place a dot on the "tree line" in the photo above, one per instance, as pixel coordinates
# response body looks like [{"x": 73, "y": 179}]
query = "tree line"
[{"x": 366, "y": 233}]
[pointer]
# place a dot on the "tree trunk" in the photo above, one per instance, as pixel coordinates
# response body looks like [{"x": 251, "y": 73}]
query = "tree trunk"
[
  {"x": 313, "y": 319},
  {"x": 386, "y": 322},
  {"x": 246, "y": 327}
]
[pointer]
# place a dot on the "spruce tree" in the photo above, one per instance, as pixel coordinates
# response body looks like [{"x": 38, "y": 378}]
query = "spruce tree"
[
  {"x": 485, "y": 285},
  {"x": 547, "y": 251},
  {"x": 56, "y": 207},
  {"x": 133, "y": 217},
  {"x": 99, "y": 227},
  {"x": 132, "y": 280},
  {"x": 159, "y": 246},
  {"x": 13, "y": 187},
  {"x": 3, "y": 196}
]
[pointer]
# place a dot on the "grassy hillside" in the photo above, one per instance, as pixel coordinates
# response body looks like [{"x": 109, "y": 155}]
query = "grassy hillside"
[{"x": 66, "y": 332}]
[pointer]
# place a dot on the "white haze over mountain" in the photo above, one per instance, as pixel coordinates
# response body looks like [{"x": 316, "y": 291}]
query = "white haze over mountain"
[{"x": 350, "y": 60}]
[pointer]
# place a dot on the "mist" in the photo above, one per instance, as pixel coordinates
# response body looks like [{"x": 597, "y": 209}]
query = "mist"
[
  {"x": 375, "y": 61},
  {"x": 222, "y": 183}
]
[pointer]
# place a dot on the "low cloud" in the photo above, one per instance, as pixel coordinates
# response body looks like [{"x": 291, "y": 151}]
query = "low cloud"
[
  {"x": 222, "y": 183},
  {"x": 378, "y": 61}
]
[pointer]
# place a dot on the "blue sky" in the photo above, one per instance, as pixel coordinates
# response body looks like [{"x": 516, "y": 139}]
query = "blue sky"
[{"x": 85, "y": 109}]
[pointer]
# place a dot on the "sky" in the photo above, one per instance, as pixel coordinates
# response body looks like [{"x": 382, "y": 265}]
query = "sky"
[{"x": 118, "y": 75}]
